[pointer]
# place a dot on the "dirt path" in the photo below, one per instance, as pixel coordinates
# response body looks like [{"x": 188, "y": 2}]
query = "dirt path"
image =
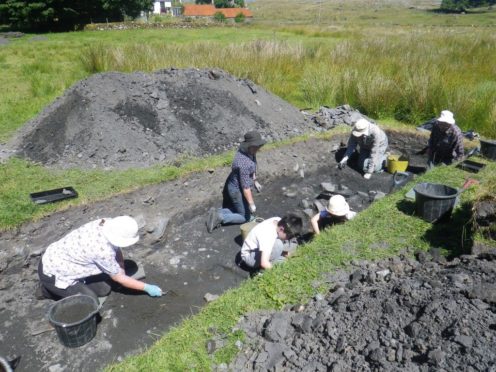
[{"x": 186, "y": 260}]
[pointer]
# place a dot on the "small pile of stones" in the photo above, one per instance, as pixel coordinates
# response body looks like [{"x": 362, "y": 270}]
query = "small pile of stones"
[{"x": 328, "y": 118}]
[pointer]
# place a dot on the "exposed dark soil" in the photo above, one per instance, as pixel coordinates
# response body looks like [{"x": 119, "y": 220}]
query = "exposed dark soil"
[
  {"x": 117, "y": 120},
  {"x": 185, "y": 260},
  {"x": 399, "y": 314}
]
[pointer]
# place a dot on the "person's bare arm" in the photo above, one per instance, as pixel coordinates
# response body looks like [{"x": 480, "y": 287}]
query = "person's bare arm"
[
  {"x": 128, "y": 282},
  {"x": 264, "y": 261},
  {"x": 315, "y": 223},
  {"x": 248, "y": 196}
]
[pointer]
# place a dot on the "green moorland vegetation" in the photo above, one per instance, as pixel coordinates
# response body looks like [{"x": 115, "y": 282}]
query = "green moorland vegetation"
[{"x": 392, "y": 61}]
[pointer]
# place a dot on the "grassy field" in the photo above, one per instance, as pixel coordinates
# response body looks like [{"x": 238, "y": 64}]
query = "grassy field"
[
  {"x": 366, "y": 14},
  {"x": 394, "y": 60},
  {"x": 409, "y": 70}
]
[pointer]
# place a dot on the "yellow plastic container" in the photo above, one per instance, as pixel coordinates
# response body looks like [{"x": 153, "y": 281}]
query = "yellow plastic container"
[
  {"x": 246, "y": 227},
  {"x": 396, "y": 163}
]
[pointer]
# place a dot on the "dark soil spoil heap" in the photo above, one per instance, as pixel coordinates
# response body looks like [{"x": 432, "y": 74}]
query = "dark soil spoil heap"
[
  {"x": 116, "y": 120},
  {"x": 401, "y": 314}
]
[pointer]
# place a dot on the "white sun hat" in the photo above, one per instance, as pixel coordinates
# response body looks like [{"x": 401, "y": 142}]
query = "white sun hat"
[
  {"x": 121, "y": 231},
  {"x": 338, "y": 206},
  {"x": 446, "y": 117},
  {"x": 361, "y": 128}
]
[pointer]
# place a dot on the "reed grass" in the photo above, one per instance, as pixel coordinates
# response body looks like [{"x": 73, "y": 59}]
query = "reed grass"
[{"x": 410, "y": 77}]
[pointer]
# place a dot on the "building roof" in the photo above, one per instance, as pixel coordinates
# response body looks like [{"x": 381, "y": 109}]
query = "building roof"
[
  {"x": 193, "y": 10},
  {"x": 233, "y": 12},
  {"x": 208, "y": 10}
]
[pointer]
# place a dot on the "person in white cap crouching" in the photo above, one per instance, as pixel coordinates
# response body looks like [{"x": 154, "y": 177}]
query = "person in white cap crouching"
[
  {"x": 337, "y": 211},
  {"x": 446, "y": 141},
  {"x": 373, "y": 144},
  {"x": 83, "y": 260}
]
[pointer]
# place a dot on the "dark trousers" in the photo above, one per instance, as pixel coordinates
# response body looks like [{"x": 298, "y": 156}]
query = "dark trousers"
[
  {"x": 94, "y": 286},
  {"x": 235, "y": 208}
]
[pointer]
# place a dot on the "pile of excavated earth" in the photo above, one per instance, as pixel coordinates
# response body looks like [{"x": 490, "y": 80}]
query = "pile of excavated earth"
[
  {"x": 397, "y": 314},
  {"x": 401, "y": 314},
  {"x": 117, "y": 120}
]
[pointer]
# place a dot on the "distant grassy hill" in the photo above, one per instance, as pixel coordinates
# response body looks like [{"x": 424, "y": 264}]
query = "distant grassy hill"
[{"x": 361, "y": 13}]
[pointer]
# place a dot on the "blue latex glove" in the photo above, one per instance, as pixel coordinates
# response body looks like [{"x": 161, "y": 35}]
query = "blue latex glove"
[{"x": 153, "y": 290}]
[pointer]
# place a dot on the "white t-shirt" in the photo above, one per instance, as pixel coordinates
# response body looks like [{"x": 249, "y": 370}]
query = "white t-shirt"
[
  {"x": 81, "y": 253},
  {"x": 262, "y": 237}
]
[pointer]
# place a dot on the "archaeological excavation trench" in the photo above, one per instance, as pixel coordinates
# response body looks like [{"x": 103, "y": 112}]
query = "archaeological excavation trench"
[
  {"x": 117, "y": 121},
  {"x": 185, "y": 260}
]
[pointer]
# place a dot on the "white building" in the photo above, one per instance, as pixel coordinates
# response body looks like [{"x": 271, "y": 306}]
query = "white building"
[{"x": 162, "y": 7}]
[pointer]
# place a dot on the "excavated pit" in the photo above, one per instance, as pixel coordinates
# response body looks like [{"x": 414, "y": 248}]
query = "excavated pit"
[{"x": 184, "y": 259}]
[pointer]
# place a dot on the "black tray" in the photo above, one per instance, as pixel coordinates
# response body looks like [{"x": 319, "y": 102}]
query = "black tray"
[
  {"x": 471, "y": 166},
  {"x": 51, "y": 196}
]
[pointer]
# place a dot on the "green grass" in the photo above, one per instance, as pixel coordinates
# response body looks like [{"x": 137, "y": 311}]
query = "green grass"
[
  {"x": 369, "y": 14},
  {"x": 408, "y": 77},
  {"x": 383, "y": 230},
  {"x": 388, "y": 59},
  {"x": 19, "y": 178}
]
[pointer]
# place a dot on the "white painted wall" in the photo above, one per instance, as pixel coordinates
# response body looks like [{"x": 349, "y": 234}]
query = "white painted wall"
[{"x": 156, "y": 6}]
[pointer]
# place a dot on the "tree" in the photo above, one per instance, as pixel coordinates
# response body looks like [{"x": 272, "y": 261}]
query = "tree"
[
  {"x": 229, "y": 3},
  {"x": 462, "y": 5},
  {"x": 203, "y": 1},
  {"x": 63, "y": 15}
]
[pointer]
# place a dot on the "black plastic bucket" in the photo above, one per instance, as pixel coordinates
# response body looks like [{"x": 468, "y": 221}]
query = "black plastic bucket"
[
  {"x": 488, "y": 149},
  {"x": 434, "y": 202},
  {"x": 74, "y": 319}
]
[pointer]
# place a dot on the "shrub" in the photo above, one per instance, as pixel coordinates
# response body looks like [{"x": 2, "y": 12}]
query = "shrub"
[
  {"x": 240, "y": 18},
  {"x": 220, "y": 17}
]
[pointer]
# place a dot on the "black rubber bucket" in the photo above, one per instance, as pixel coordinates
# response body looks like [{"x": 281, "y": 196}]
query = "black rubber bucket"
[
  {"x": 74, "y": 319},
  {"x": 434, "y": 202},
  {"x": 488, "y": 149}
]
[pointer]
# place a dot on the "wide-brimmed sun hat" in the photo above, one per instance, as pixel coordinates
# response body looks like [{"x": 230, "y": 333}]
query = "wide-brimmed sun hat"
[
  {"x": 338, "y": 206},
  {"x": 252, "y": 139},
  {"x": 121, "y": 231},
  {"x": 361, "y": 128},
  {"x": 446, "y": 117}
]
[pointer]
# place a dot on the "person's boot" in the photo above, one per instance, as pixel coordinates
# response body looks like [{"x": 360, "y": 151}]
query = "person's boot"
[{"x": 213, "y": 220}]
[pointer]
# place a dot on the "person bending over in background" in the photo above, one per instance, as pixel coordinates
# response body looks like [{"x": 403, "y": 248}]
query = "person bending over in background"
[
  {"x": 264, "y": 244},
  {"x": 83, "y": 260},
  {"x": 372, "y": 142},
  {"x": 337, "y": 211},
  {"x": 238, "y": 205},
  {"x": 446, "y": 141}
]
